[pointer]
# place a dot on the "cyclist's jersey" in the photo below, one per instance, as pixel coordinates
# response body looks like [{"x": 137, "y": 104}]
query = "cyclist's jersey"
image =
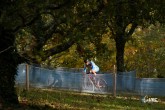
[{"x": 92, "y": 66}]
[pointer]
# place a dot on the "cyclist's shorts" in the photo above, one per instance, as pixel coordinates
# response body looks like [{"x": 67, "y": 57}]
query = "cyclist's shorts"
[{"x": 96, "y": 69}]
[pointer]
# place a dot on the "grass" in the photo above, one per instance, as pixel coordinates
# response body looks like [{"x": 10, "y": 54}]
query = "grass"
[{"x": 39, "y": 99}]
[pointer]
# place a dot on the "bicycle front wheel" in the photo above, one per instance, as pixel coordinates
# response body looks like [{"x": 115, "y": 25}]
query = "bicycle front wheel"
[
  {"x": 89, "y": 86},
  {"x": 102, "y": 85}
]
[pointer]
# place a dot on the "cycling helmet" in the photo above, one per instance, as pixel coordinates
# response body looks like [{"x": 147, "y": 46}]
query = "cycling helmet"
[{"x": 86, "y": 60}]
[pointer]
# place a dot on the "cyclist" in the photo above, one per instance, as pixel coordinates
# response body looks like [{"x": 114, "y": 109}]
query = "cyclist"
[{"x": 90, "y": 66}]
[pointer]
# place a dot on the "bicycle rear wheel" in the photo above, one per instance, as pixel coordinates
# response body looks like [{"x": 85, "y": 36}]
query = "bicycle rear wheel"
[{"x": 102, "y": 85}]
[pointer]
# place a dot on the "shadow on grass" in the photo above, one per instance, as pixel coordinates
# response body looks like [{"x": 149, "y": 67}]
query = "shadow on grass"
[{"x": 25, "y": 106}]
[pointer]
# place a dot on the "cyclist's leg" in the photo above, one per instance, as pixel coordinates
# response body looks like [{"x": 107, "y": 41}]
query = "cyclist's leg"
[{"x": 94, "y": 70}]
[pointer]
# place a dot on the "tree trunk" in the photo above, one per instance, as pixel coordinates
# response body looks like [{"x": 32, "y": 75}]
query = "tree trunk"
[
  {"x": 7, "y": 72},
  {"x": 120, "y": 45},
  {"x": 8, "y": 68}
]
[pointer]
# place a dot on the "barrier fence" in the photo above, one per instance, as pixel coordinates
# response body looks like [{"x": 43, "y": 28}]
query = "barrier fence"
[{"x": 73, "y": 79}]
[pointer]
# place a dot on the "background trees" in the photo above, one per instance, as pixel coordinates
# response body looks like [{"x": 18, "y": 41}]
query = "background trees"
[
  {"x": 149, "y": 52},
  {"x": 85, "y": 25}
]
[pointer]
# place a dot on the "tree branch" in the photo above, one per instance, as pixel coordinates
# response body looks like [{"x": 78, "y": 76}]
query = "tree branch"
[
  {"x": 59, "y": 48},
  {"x": 134, "y": 25},
  {"x": 27, "y": 23},
  {"x": 6, "y": 49},
  {"x": 57, "y": 6}
]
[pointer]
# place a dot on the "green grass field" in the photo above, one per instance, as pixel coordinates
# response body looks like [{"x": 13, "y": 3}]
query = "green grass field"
[{"x": 39, "y": 99}]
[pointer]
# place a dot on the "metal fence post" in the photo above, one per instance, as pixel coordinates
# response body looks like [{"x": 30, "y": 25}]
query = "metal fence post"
[
  {"x": 114, "y": 81},
  {"x": 27, "y": 77}
]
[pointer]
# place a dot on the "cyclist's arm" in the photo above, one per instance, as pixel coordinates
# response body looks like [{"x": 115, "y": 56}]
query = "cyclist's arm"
[{"x": 85, "y": 68}]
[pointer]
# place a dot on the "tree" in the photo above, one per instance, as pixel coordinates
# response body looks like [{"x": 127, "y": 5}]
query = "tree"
[
  {"x": 14, "y": 16},
  {"x": 90, "y": 20},
  {"x": 149, "y": 51},
  {"x": 27, "y": 19},
  {"x": 123, "y": 17},
  {"x": 64, "y": 27}
]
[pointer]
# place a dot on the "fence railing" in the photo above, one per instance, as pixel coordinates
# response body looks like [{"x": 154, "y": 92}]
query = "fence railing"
[{"x": 73, "y": 79}]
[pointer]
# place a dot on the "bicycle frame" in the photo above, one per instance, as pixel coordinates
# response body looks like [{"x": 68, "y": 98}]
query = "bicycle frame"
[{"x": 95, "y": 83}]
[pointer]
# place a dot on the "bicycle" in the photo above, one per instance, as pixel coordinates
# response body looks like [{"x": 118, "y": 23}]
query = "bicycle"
[{"x": 92, "y": 83}]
